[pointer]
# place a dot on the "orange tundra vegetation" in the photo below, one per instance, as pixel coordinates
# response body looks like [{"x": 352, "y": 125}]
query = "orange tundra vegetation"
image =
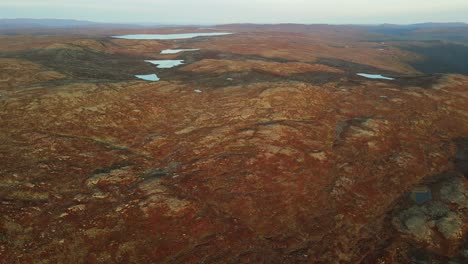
[{"x": 285, "y": 156}]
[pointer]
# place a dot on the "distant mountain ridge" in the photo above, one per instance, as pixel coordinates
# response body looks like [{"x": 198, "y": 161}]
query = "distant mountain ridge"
[
  {"x": 19, "y": 23},
  {"x": 427, "y": 25},
  {"x": 27, "y": 22},
  {"x": 65, "y": 23},
  {"x": 455, "y": 31}
]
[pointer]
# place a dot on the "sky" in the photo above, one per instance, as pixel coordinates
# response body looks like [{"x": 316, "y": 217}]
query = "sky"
[{"x": 241, "y": 11}]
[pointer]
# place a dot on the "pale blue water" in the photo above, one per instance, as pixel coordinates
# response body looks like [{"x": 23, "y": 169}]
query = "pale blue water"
[
  {"x": 149, "y": 77},
  {"x": 166, "y": 64},
  {"x": 174, "y": 51},
  {"x": 375, "y": 76},
  {"x": 170, "y": 36}
]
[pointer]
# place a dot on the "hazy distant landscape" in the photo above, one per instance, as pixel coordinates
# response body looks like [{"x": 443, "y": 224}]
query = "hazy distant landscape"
[{"x": 233, "y": 142}]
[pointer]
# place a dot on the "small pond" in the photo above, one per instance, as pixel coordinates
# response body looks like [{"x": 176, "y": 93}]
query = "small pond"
[
  {"x": 174, "y": 51},
  {"x": 148, "y": 77},
  {"x": 170, "y": 36},
  {"x": 374, "y": 76},
  {"x": 166, "y": 64}
]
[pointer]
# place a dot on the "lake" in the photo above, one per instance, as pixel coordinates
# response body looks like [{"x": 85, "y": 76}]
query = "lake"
[
  {"x": 170, "y": 36},
  {"x": 174, "y": 51},
  {"x": 374, "y": 76},
  {"x": 148, "y": 77},
  {"x": 166, "y": 64}
]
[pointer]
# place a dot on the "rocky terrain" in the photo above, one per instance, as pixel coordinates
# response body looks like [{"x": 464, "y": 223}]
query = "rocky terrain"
[{"x": 264, "y": 147}]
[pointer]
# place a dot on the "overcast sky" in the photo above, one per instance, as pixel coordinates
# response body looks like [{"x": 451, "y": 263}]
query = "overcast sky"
[{"x": 241, "y": 11}]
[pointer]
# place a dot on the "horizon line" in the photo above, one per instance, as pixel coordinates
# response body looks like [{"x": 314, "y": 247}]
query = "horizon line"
[{"x": 147, "y": 23}]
